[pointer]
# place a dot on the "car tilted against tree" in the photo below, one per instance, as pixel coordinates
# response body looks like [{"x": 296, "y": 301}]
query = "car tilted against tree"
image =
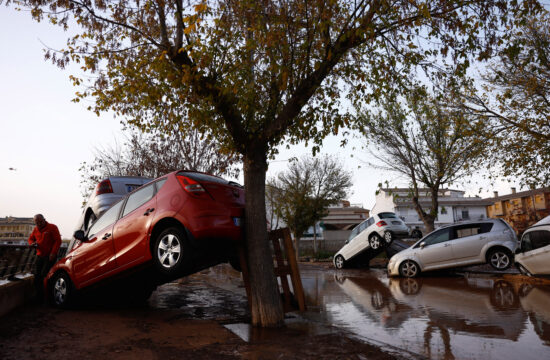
[
  {"x": 490, "y": 241},
  {"x": 173, "y": 226},
  {"x": 372, "y": 235}
]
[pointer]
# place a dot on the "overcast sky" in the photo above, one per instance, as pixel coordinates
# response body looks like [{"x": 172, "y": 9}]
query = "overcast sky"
[{"x": 45, "y": 136}]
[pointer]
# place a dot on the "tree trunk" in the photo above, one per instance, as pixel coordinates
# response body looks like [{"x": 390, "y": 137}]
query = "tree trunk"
[
  {"x": 297, "y": 245},
  {"x": 314, "y": 239},
  {"x": 265, "y": 301}
]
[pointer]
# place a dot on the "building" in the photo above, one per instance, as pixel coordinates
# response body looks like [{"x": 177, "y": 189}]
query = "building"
[
  {"x": 453, "y": 206},
  {"x": 334, "y": 229},
  {"x": 520, "y": 209},
  {"x": 15, "y": 230}
]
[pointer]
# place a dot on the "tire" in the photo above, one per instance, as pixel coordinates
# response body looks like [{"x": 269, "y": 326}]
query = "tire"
[
  {"x": 499, "y": 259},
  {"x": 235, "y": 263},
  {"x": 375, "y": 242},
  {"x": 409, "y": 269},
  {"x": 339, "y": 262},
  {"x": 170, "y": 251},
  {"x": 388, "y": 237},
  {"x": 503, "y": 296},
  {"x": 409, "y": 286},
  {"x": 523, "y": 270},
  {"x": 61, "y": 291}
]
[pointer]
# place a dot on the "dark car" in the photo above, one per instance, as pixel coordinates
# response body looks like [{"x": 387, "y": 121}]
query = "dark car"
[{"x": 173, "y": 226}]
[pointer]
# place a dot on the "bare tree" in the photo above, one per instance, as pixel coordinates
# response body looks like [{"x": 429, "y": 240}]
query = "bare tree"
[
  {"x": 425, "y": 141},
  {"x": 156, "y": 153},
  {"x": 515, "y": 103}
]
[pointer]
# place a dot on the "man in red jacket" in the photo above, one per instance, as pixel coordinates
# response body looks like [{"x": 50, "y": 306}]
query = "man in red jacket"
[{"x": 47, "y": 240}]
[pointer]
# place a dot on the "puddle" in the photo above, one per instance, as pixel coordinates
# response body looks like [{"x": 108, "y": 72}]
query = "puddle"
[
  {"x": 439, "y": 317},
  {"x": 436, "y": 317}
]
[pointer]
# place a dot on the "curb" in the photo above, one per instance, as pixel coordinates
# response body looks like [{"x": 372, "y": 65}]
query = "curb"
[{"x": 15, "y": 293}]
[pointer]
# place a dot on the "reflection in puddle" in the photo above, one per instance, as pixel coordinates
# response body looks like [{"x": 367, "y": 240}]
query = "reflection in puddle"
[{"x": 441, "y": 318}]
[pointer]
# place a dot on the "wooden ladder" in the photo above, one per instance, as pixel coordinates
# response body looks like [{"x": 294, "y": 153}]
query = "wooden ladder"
[{"x": 286, "y": 266}]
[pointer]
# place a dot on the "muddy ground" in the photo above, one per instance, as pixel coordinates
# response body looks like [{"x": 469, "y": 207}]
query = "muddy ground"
[{"x": 191, "y": 326}]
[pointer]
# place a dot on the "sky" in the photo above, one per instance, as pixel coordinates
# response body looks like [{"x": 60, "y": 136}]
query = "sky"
[{"x": 45, "y": 136}]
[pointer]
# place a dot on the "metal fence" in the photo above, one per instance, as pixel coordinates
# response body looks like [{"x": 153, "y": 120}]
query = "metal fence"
[{"x": 19, "y": 259}]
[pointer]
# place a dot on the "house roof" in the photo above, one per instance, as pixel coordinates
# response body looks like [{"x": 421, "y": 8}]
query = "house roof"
[{"x": 518, "y": 195}]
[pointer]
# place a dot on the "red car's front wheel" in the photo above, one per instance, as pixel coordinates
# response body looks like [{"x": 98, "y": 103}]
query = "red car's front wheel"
[{"x": 170, "y": 250}]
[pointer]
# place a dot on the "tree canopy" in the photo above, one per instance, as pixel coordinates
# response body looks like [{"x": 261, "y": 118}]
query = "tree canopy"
[
  {"x": 430, "y": 144},
  {"x": 301, "y": 195},
  {"x": 515, "y": 103},
  {"x": 255, "y": 73},
  {"x": 156, "y": 153}
]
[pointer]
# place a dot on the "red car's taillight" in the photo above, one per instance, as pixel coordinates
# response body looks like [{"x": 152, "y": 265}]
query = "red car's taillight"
[
  {"x": 190, "y": 185},
  {"x": 381, "y": 223},
  {"x": 104, "y": 187}
]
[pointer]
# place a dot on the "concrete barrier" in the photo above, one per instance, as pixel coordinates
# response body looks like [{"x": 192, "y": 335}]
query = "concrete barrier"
[{"x": 15, "y": 293}]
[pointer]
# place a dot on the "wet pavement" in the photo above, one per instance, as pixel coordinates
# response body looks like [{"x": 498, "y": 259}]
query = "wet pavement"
[
  {"x": 438, "y": 317},
  {"x": 352, "y": 314},
  {"x": 443, "y": 316}
]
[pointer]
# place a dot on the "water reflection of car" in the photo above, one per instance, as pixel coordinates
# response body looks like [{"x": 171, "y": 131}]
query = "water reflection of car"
[
  {"x": 533, "y": 255},
  {"x": 484, "y": 307},
  {"x": 375, "y": 300},
  {"x": 460, "y": 244},
  {"x": 175, "y": 225},
  {"x": 534, "y": 300},
  {"x": 372, "y": 234}
]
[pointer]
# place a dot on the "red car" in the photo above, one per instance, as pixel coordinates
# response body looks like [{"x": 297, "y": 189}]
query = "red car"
[{"x": 178, "y": 224}]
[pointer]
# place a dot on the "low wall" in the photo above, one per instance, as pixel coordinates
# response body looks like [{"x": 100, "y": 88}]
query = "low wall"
[
  {"x": 15, "y": 293},
  {"x": 332, "y": 241}
]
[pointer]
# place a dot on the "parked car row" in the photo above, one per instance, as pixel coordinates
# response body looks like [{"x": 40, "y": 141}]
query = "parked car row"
[
  {"x": 172, "y": 226},
  {"x": 491, "y": 241}
]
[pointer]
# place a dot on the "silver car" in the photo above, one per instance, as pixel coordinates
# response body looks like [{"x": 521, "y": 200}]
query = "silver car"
[
  {"x": 490, "y": 241},
  {"x": 106, "y": 193},
  {"x": 375, "y": 232},
  {"x": 533, "y": 255}
]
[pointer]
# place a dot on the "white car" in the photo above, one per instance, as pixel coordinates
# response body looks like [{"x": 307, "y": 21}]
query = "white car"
[
  {"x": 374, "y": 233},
  {"x": 459, "y": 244},
  {"x": 533, "y": 255},
  {"x": 106, "y": 193}
]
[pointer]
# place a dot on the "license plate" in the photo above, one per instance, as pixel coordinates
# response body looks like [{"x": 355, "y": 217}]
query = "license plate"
[{"x": 396, "y": 222}]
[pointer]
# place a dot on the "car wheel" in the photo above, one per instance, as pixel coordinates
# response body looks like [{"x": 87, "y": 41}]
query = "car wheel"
[
  {"x": 409, "y": 268},
  {"x": 375, "y": 242},
  {"x": 235, "y": 263},
  {"x": 503, "y": 296},
  {"x": 170, "y": 251},
  {"x": 339, "y": 262},
  {"x": 388, "y": 237},
  {"x": 409, "y": 286},
  {"x": 523, "y": 270},
  {"x": 61, "y": 290},
  {"x": 499, "y": 259}
]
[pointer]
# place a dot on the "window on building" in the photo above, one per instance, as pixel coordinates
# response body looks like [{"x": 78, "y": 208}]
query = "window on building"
[
  {"x": 443, "y": 210},
  {"x": 465, "y": 214}
]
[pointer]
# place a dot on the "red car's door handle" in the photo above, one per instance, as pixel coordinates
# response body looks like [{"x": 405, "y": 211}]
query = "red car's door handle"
[
  {"x": 149, "y": 211},
  {"x": 106, "y": 236}
]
